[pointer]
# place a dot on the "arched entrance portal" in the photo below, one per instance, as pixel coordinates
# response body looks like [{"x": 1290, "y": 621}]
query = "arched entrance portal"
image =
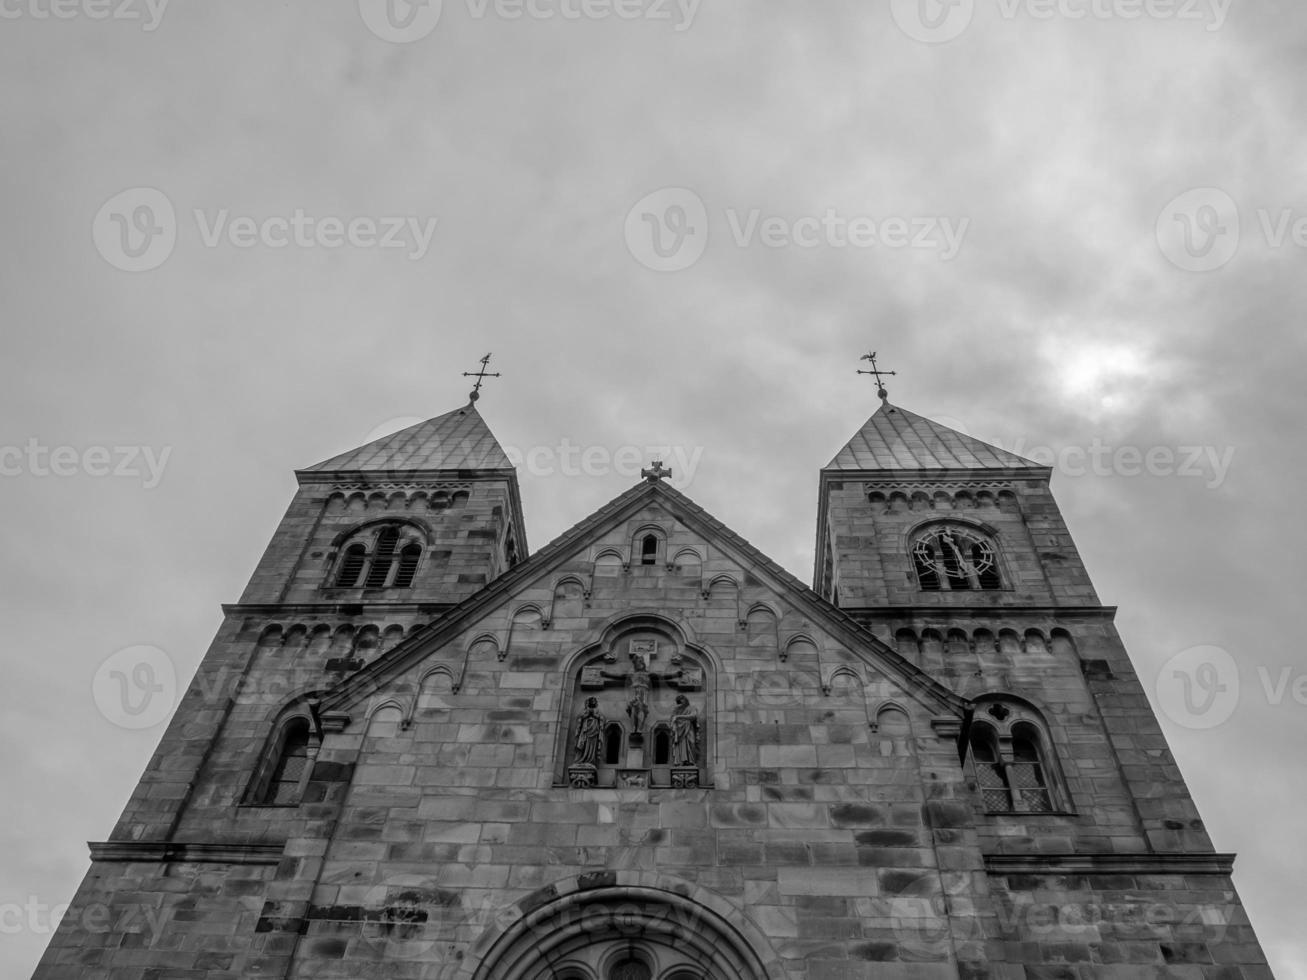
[{"x": 622, "y": 933}]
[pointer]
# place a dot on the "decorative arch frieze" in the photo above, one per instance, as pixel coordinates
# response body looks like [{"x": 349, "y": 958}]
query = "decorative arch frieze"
[{"x": 974, "y": 496}]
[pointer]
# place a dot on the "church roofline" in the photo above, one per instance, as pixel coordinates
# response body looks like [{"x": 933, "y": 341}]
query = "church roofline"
[{"x": 915, "y": 680}]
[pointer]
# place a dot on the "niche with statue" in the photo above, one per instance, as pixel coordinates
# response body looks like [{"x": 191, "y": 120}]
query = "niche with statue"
[{"x": 637, "y": 713}]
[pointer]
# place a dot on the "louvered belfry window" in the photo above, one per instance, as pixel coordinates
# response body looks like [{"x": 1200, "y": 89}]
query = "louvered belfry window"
[
  {"x": 376, "y": 560},
  {"x": 383, "y": 558}
]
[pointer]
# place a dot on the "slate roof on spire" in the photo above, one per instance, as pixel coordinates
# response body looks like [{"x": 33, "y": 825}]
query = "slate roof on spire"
[
  {"x": 457, "y": 440},
  {"x": 896, "y": 439}
]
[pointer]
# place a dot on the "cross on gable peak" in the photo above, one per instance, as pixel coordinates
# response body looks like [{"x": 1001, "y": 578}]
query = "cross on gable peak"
[{"x": 656, "y": 472}]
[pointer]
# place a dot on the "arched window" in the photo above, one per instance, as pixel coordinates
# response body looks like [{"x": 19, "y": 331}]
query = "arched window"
[
  {"x": 351, "y": 566},
  {"x": 648, "y": 546},
  {"x": 382, "y": 558},
  {"x": 662, "y": 753},
  {"x": 408, "y": 565},
  {"x": 1026, "y": 770},
  {"x": 379, "y": 557},
  {"x": 1012, "y": 760},
  {"x": 613, "y": 744},
  {"x": 953, "y": 559},
  {"x": 990, "y": 774},
  {"x": 283, "y": 774}
]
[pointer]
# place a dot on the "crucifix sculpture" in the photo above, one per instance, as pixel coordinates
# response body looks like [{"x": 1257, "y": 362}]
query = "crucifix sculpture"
[{"x": 641, "y": 678}]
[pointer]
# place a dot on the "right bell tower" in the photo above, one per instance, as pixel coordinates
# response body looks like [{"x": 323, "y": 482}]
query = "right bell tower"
[{"x": 954, "y": 552}]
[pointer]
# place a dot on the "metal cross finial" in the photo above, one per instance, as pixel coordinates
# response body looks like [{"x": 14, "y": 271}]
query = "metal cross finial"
[
  {"x": 480, "y": 376},
  {"x": 656, "y": 473},
  {"x": 880, "y": 387}
]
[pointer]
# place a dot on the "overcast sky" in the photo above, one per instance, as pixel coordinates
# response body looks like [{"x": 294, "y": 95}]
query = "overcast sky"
[{"x": 239, "y": 238}]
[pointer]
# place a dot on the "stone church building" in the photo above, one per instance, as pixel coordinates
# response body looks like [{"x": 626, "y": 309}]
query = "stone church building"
[{"x": 645, "y": 751}]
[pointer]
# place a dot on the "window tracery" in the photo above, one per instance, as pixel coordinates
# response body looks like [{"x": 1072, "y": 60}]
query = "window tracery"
[
  {"x": 1011, "y": 756},
  {"x": 951, "y": 558},
  {"x": 382, "y": 556}
]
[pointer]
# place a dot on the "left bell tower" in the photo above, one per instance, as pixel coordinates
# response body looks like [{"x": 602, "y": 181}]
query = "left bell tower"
[
  {"x": 376, "y": 543},
  {"x": 427, "y": 515}
]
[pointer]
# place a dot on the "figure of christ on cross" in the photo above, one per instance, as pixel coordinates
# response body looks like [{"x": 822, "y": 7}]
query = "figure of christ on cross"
[{"x": 642, "y": 679}]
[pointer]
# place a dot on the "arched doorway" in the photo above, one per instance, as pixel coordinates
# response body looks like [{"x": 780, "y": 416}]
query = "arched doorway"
[{"x": 619, "y": 932}]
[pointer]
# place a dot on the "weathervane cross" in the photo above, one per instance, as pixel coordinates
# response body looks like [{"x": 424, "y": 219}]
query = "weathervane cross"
[
  {"x": 880, "y": 386},
  {"x": 656, "y": 472},
  {"x": 481, "y": 377}
]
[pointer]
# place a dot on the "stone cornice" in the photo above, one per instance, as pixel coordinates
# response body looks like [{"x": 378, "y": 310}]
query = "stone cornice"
[
  {"x": 1110, "y": 864},
  {"x": 195, "y": 852}
]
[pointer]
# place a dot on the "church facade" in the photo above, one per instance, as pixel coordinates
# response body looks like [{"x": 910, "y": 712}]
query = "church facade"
[{"x": 647, "y": 752}]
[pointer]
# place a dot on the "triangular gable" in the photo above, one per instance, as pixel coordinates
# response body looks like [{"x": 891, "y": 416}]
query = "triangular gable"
[
  {"x": 896, "y": 439},
  {"x": 457, "y": 440},
  {"x": 394, "y": 663}
]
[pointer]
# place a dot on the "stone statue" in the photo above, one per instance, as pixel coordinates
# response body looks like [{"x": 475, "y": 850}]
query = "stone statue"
[
  {"x": 685, "y": 733},
  {"x": 641, "y": 680},
  {"x": 589, "y": 735}
]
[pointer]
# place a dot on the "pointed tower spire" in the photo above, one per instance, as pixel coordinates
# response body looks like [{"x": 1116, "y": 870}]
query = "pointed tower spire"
[
  {"x": 457, "y": 440},
  {"x": 896, "y": 439}
]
